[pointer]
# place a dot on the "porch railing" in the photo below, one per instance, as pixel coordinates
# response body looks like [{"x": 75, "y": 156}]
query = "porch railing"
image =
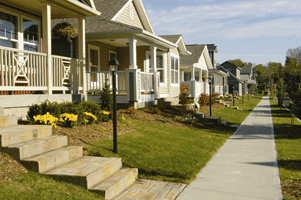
[
  {"x": 96, "y": 81},
  {"x": 147, "y": 82},
  {"x": 22, "y": 70},
  {"x": 195, "y": 87}
]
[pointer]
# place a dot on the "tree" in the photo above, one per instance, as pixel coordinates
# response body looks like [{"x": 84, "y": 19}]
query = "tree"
[
  {"x": 280, "y": 93},
  {"x": 106, "y": 98},
  {"x": 237, "y": 62},
  {"x": 262, "y": 74}
]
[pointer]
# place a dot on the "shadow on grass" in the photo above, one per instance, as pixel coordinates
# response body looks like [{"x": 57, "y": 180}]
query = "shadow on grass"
[
  {"x": 290, "y": 164},
  {"x": 287, "y": 131}
]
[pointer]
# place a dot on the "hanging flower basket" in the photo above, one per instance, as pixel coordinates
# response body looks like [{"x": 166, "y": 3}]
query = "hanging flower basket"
[
  {"x": 204, "y": 77},
  {"x": 64, "y": 30}
]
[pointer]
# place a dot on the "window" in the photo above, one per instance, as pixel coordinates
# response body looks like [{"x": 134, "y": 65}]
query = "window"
[
  {"x": 8, "y": 30},
  {"x": 112, "y": 54},
  {"x": 161, "y": 65},
  {"x": 29, "y": 32},
  {"x": 187, "y": 76},
  {"x": 160, "y": 68},
  {"x": 174, "y": 70},
  {"x": 30, "y": 35}
]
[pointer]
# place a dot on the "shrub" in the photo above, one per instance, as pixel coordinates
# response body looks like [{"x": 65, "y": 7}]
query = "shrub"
[
  {"x": 213, "y": 100},
  {"x": 68, "y": 120},
  {"x": 131, "y": 111},
  {"x": 189, "y": 101},
  {"x": 204, "y": 99},
  {"x": 106, "y": 98},
  {"x": 215, "y": 94},
  {"x": 46, "y": 119},
  {"x": 89, "y": 118},
  {"x": 184, "y": 94}
]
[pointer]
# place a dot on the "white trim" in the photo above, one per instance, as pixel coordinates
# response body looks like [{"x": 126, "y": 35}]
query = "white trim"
[
  {"x": 178, "y": 57},
  {"x": 131, "y": 11},
  {"x": 147, "y": 65},
  {"x": 93, "y": 47}
]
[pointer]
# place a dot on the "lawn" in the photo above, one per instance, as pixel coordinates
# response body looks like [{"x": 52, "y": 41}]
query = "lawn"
[
  {"x": 170, "y": 153},
  {"x": 34, "y": 186},
  {"x": 288, "y": 145},
  {"x": 234, "y": 116}
]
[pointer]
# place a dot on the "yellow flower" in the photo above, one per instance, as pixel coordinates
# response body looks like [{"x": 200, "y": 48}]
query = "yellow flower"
[
  {"x": 123, "y": 118},
  {"x": 105, "y": 112}
]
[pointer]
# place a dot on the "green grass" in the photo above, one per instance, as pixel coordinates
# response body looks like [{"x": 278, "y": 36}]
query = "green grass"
[
  {"x": 165, "y": 152},
  {"x": 34, "y": 186},
  {"x": 288, "y": 144},
  {"x": 237, "y": 116}
]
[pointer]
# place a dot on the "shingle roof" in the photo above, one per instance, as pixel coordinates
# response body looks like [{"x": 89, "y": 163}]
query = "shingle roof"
[
  {"x": 211, "y": 47},
  {"x": 109, "y": 8},
  {"x": 171, "y": 38},
  {"x": 246, "y": 70},
  {"x": 196, "y": 51}
]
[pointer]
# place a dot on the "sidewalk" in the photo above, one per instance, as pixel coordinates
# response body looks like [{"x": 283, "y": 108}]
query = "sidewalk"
[{"x": 245, "y": 168}]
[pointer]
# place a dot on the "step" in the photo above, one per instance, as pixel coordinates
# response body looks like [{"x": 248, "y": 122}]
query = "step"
[
  {"x": 116, "y": 183},
  {"x": 224, "y": 123},
  {"x": 31, "y": 148},
  {"x": 86, "y": 171},
  {"x": 213, "y": 119},
  {"x": 23, "y": 133},
  {"x": 199, "y": 115},
  {"x": 8, "y": 121},
  {"x": 49, "y": 160}
]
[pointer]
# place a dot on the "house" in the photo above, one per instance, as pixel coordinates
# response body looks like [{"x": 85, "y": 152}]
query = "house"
[
  {"x": 212, "y": 49},
  {"x": 28, "y": 69},
  {"x": 195, "y": 70},
  {"x": 247, "y": 76},
  {"x": 149, "y": 64},
  {"x": 220, "y": 82},
  {"x": 234, "y": 81}
]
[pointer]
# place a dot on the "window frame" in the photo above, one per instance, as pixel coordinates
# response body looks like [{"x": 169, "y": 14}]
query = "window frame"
[
  {"x": 147, "y": 66},
  {"x": 93, "y": 47},
  {"x": 172, "y": 71}
]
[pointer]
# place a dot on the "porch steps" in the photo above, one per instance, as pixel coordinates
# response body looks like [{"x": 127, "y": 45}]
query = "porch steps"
[{"x": 38, "y": 150}]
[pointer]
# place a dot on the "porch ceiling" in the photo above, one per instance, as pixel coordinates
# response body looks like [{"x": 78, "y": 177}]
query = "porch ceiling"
[
  {"x": 121, "y": 42},
  {"x": 59, "y": 8}
]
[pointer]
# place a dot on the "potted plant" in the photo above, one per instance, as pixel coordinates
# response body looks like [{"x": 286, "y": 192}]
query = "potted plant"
[
  {"x": 204, "y": 77},
  {"x": 64, "y": 30}
]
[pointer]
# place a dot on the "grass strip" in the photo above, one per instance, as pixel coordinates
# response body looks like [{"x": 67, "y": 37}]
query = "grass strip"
[
  {"x": 36, "y": 186},
  {"x": 288, "y": 145},
  {"x": 234, "y": 116}
]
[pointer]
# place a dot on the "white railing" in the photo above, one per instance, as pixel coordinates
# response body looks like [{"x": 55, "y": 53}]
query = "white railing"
[
  {"x": 96, "y": 81},
  {"x": 22, "y": 70},
  {"x": 147, "y": 82},
  {"x": 67, "y": 73},
  {"x": 196, "y": 88}
]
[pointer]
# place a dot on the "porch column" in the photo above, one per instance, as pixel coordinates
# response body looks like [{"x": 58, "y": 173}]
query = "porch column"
[
  {"x": 192, "y": 73},
  {"x": 133, "y": 53},
  {"x": 82, "y": 54},
  {"x": 46, "y": 21},
  {"x": 154, "y": 69}
]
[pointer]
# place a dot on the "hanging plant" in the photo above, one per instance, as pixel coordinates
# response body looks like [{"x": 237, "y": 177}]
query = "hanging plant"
[
  {"x": 64, "y": 30},
  {"x": 204, "y": 77}
]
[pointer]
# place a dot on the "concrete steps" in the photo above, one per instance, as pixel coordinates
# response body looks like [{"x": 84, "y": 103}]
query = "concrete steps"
[{"x": 38, "y": 150}]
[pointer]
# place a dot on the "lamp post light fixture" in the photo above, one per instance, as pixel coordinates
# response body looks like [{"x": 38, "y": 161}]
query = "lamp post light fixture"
[
  {"x": 210, "y": 88},
  {"x": 113, "y": 68}
]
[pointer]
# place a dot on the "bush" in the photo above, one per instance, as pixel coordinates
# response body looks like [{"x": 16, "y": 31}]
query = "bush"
[
  {"x": 184, "y": 94},
  {"x": 215, "y": 94},
  {"x": 213, "y": 100},
  {"x": 106, "y": 98},
  {"x": 204, "y": 99}
]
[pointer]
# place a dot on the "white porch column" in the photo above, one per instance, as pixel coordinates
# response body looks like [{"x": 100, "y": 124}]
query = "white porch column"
[
  {"x": 192, "y": 73},
  {"x": 133, "y": 53},
  {"x": 46, "y": 20},
  {"x": 154, "y": 69},
  {"x": 82, "y": 53}
]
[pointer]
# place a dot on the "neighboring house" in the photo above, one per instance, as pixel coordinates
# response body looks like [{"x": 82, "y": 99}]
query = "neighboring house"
[
  {"x": 149, "y": 64},
  {"x": 212, "y": 49},
  {"x": 234, "y": 81},
  {"x": 247, "y": 76},
  {"x": 219, "y": 82},
  {"x": 27, "y": 65},
  {"x": 195, "y": 69}
]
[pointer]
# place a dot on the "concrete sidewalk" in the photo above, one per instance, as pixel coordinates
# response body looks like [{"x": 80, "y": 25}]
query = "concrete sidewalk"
[{"x": 246, "y": 167}]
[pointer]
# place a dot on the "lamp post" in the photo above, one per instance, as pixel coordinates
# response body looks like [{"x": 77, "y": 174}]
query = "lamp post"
[
  {"x": 210, "y": 84},
  {"x": 113, "y": 68}
]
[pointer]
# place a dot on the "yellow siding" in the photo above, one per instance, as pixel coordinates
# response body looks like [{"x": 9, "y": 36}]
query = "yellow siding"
[{"x": 124, "y": 17}]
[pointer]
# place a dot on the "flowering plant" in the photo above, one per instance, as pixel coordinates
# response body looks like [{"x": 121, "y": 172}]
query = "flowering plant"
[
  {"x": 89, "y": 118},
  {"x": 46, "y": 119},
  {"x": 69, "y": 120}
]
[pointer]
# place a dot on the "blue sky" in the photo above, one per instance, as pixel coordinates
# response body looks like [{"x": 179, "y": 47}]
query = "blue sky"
[{"x": 258, "y": 31}]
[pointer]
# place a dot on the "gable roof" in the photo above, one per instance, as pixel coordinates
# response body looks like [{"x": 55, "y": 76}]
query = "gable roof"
[
  {"x": 178, "y": 40},
  {"x": 246, "y": 70},
  {"x": 196, "y": 52},
  {"x": 212, "y": 47},
  {"x": 230, "y": 73},
  {"x": 227, "y": 62}
]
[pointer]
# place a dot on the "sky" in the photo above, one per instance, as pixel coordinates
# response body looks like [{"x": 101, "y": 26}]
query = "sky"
[{"x": 258, "y": 31}]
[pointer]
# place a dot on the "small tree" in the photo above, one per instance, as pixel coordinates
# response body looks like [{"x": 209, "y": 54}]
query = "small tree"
[
  {"x": 106, "y": 98},
  {"x": 280, "y": 94}
]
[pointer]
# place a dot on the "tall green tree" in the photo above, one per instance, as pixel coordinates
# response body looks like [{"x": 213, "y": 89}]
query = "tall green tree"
[{"x": 262, "y": 74}]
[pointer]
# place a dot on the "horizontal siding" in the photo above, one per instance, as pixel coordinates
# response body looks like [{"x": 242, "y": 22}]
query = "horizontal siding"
[
  {"x": 124, "y": 17},
  {"x": 174, "y": 91}
]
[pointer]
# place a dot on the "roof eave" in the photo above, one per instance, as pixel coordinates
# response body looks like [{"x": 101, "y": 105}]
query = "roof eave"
[{"x": 86, "y": 10}]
